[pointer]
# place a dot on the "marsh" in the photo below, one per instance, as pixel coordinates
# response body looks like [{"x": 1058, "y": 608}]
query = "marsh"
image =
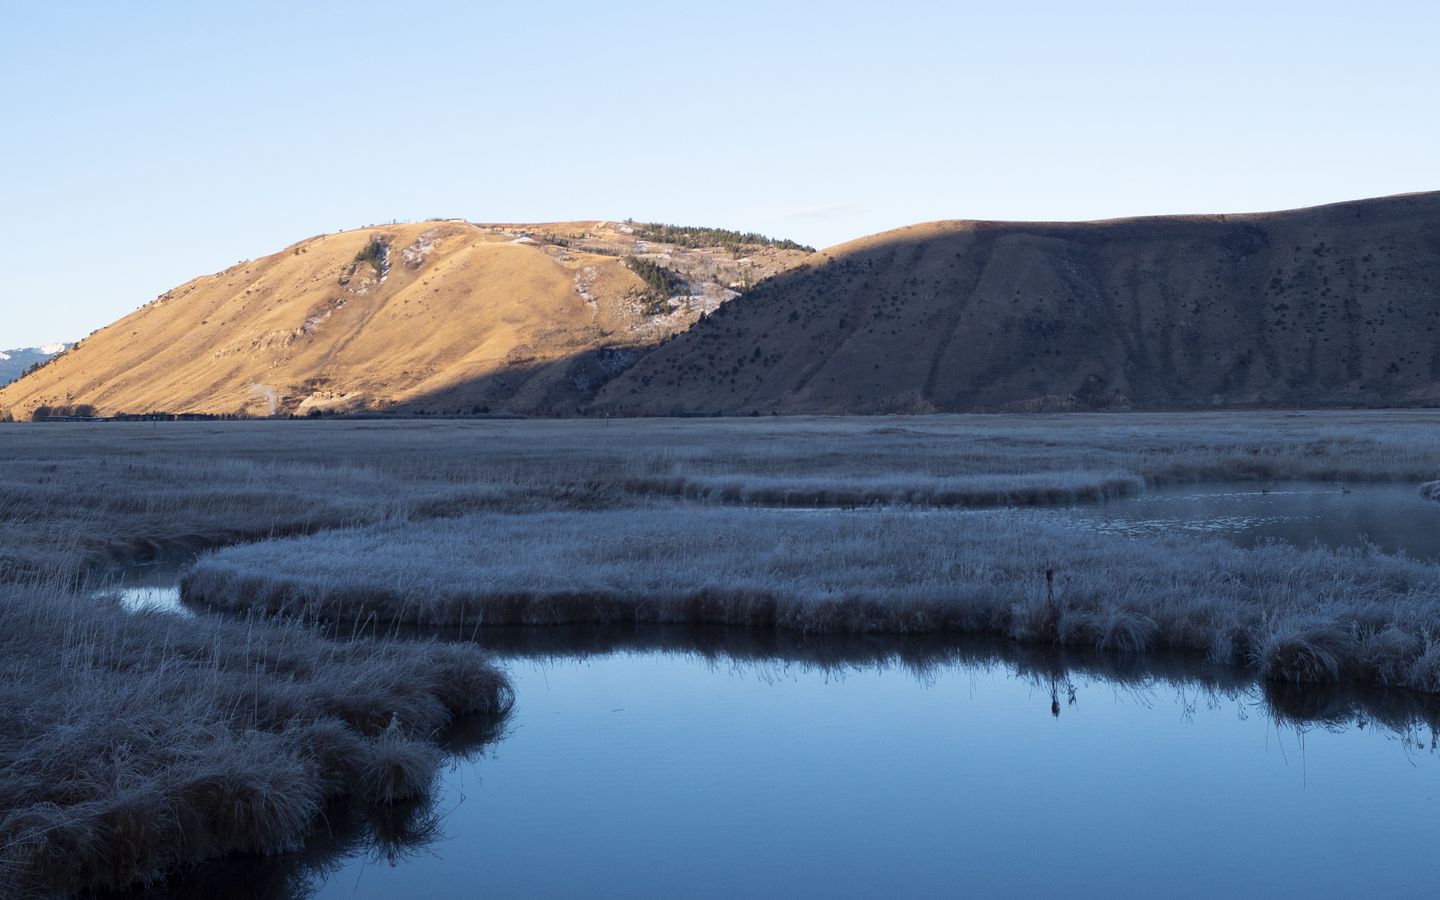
[{"x": 353, "y": 552}]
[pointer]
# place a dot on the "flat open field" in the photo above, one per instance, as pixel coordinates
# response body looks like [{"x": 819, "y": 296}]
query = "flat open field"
[{"x": 74, "y": 494}]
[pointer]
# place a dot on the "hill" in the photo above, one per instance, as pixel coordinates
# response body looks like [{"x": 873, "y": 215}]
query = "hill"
[
  {"x": 14, "y": 363},
  {"x": 441, "y": 316},
  {"x": 1333, "y": 305}
]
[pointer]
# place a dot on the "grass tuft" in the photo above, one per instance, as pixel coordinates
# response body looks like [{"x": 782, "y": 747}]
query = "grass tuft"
[
  {"x": 396, "y": 767},
  {"x": 1304, "y": 649}
]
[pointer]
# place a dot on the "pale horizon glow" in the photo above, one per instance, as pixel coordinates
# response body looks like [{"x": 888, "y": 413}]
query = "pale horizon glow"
[{"x": 156, "y": 143}]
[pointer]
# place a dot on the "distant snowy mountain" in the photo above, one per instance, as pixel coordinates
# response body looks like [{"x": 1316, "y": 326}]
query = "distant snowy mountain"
[{"x": 13, "y": 363}]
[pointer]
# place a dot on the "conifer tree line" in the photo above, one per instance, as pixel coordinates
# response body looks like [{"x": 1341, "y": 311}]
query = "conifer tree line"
[{"x": 694, "y": 237}]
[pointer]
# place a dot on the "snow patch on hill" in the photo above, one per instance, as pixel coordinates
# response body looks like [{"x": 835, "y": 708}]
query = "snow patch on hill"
[{"x": 13, "y": 363}]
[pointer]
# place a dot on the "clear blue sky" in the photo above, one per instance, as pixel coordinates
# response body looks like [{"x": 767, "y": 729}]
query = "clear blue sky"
[{"x": 148, "y": 143}]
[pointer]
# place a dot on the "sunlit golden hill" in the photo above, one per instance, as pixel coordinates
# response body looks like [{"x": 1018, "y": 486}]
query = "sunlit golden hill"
[
  {"x": 1330, "y": 306},
  {"x": 441, "y": 316}
]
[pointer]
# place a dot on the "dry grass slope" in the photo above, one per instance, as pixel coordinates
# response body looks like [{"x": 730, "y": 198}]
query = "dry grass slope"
[{"x": 434, "y": 316}]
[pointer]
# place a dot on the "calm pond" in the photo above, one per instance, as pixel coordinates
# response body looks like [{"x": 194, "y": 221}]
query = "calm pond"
[
  {"x": 725, "y": 762},
  {"x": 679, "y": 768}
]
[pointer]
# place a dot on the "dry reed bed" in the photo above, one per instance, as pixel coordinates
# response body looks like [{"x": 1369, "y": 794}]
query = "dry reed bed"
[
  {"x": 1302, "y": 615},
  {"x": 133, "y": 744}
]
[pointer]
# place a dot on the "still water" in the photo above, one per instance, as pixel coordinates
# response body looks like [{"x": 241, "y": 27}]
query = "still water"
[
  {"x": 667, "y": 773},
  {"x": 723, "y": 763},
  {"x": 1393, "y": 517}
]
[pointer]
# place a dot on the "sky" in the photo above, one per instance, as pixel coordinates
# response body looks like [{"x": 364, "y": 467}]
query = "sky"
[{"x": 146, "y": 144}]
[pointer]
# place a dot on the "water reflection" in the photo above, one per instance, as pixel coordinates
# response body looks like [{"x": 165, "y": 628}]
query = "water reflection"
[
  {"x": 777, "y": 654},
  {"x": 154, "y": 588},
  {"x": 664, "y": 761},
  {"x": 707, "y": 761}
]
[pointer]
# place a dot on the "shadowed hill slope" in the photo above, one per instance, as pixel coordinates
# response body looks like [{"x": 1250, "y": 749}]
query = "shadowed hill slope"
[
  {"x": 1334, "y": 305},
  {"x": 445, "y": 316}
]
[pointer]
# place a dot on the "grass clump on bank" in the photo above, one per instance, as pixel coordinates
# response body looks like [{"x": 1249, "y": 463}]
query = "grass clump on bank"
[{"x": 131, "y": 745}]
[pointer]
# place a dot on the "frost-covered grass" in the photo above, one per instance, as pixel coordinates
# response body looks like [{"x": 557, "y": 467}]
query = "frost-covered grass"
[
  {"x": 1299, "y": 615},
  {"x": 1011, "y": 489},
  {"x": 138, "y": 490},
  {"x": 99, "y": 511},
  {"x": 132, "y": 744}
]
